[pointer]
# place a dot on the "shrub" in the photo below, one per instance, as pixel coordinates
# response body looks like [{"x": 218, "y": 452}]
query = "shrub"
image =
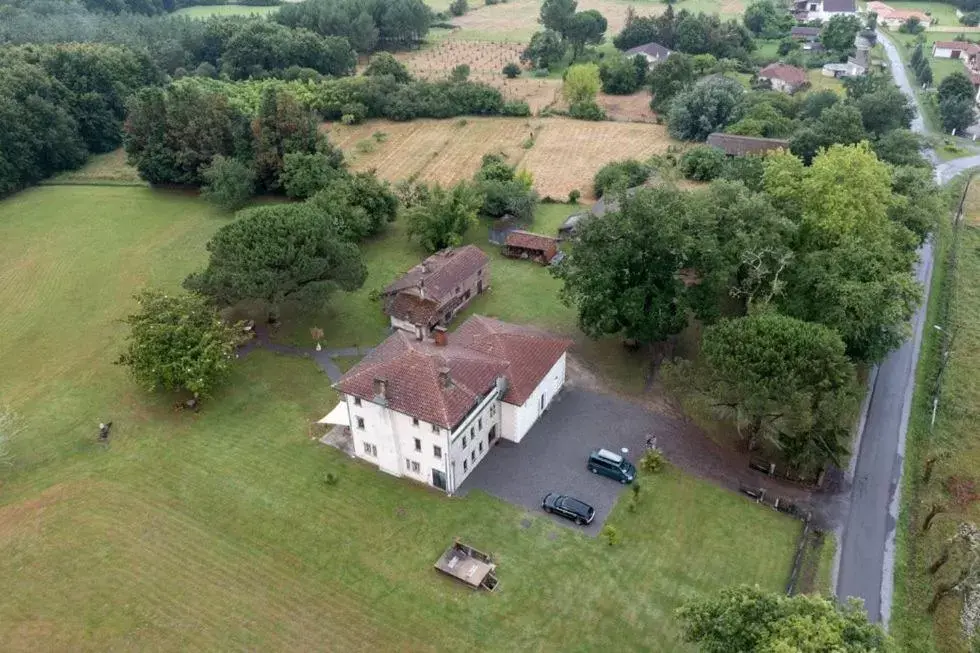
[
  {"x": 541, "y": 72},
  {"x": 358, "y": 113},
  {"x": 228, "y": 183},
  {"x": 702, "y": 163},
  {"x": 511, "y": 70},
  {"x": 610, "y": 534},
  {"x": 574, "y": 195},
  {"x": 458, "y": 7},
  {"x": 517, "y": 108},
  {"x": 303, "y": 175},
  {"x": 971, "y": 19},
  {"x": 653, "y": 461},
  {"x": 330, "y": 479},
  {"x": 586, "y": 111},
  {"x": 620, "y": 174},
  {"x": 460, "y": 73}
]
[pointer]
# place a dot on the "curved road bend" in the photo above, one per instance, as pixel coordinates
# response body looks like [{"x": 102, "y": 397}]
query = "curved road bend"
[{"x": 866, "y": 536}]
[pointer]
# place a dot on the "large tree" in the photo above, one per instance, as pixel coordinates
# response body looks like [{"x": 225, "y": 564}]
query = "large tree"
[
  {"x": 282, "y": 127},
  {"x": 750, "y": 620},
  {"x": 784, "y": 380},
  {"x": 709, "y": 106},
  {"x": 866, "y": 292},
  {"x": 278, "y": 253},
  {"x": 668, "y": 78},
  {"x": 585, "y": 28},
  {"x": 179, "y": 342},
  {"x": 557, "y": 14},
  {"x": 766, "y": 18},
  {"x": 444, "y": 216},
  {"x": 581, "y": 83},
  {"x": 838, "y": 35},
  {"x": 546, "y": 49},
  {"x": 625, "y": 273}
]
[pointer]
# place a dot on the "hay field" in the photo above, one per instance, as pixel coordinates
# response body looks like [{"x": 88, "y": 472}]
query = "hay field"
[
  {"x": 565, "y": 153},
  {"x": 486, "y": 60},
  {"x": 517, "y": 20}
]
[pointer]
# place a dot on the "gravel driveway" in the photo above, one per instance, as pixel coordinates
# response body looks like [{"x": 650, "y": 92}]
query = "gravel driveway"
[{"x": 552, "y": 456}]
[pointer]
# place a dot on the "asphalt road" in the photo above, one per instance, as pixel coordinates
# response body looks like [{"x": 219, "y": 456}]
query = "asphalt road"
[{"x": 866, "y": 560}]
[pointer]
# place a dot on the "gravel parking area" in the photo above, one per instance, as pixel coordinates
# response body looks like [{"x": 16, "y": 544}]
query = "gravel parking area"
[{"x": 553, "y": 455}]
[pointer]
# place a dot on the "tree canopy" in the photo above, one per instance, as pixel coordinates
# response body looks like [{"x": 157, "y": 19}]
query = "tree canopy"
[
  {"x": 785, "y": 380},
  {"x": 750, "y": 620},
  {"x": 708, "y": 106},
  {"x": 444, "y": 215},
  {"x": 278, "y": 253},
  {"x": 178, "y": 342}
]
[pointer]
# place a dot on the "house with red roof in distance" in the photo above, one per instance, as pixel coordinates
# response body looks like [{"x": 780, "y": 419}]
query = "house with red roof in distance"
[
  {"x": 895, "y": 18},
  {"x": 430, "y": 410},
  {"x": 962, "y": 50},
  {"x": 806, "y": 10},
  {"x": 784, "y": 77},
  {"x": 431, "y": 293}
]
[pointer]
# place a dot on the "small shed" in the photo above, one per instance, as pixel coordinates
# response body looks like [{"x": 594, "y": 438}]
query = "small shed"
[
  {"x": 530, "y": 246},
  {"x": 735, "y": 145},
  {"x": 466, "y": 564}
]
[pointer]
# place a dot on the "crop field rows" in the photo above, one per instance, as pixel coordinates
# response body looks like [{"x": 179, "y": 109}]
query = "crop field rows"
[
  {"x": 517, "y": 20},
  {"x": 486, "y": 61},
  {"x": 562, "y": 154}
]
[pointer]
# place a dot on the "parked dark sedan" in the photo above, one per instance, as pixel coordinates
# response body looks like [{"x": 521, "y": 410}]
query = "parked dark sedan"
[{"x": 569, "y": 507}]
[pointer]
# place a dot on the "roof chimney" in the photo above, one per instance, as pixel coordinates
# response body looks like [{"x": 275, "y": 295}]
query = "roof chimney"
[
  {"x": 440, "y": 337},
  {"x": 444, "y": 379},
  {"x": 422, "y": 288},
  {"x": 381, "y": 390}
]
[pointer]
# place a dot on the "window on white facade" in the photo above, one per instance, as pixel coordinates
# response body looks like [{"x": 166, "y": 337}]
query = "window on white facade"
[
  {"x": 415, "y": 421},
  {"x": 481, "y": 447},
  {"x": 360, "y": 423},
  {"x": 437, "y": 451},
  {"x": 464, "y": 441},
  {"x": 473, "y": 456},
  {"x": 472, "y": 432},
  {"x": 357, "y": 401},
  {"x": 435, "y": 429},
  {"x": 493, "y": 410},
  {"x": 464, "y": 464},
  {"x": 479, "y": 423},
  {"x": 418, "y": 444},
  {"x": 370, "y": 449},
  {"x": 415, "y": 467}
]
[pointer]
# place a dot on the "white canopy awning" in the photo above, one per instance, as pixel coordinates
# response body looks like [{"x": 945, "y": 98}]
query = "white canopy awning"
[{"x": 338, "y": 415}]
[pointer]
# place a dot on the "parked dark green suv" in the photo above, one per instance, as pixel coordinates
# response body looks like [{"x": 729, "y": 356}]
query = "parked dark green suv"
[{"x": 607, "y": 463}]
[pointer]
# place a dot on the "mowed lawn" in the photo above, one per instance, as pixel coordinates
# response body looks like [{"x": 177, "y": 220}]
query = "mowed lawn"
[{"x": 216, "y": 530}]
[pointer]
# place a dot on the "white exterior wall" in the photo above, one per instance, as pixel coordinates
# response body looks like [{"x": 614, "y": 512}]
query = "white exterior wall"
[
  {"x": 394, "y": 435},
  {"x": 942, "y": 53},
  {"x": 475, "y": 429},
  {"x": 516, "y": 421},
  {"x": 780, "y": 85}
]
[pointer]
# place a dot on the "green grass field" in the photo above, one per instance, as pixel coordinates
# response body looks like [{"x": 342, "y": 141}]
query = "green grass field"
[
  {"x": 943, "y": 15},
  {"x": 225, "y": 10},
  {"x": 954, "y": 438},
  {"x": 215, "y": 530}
]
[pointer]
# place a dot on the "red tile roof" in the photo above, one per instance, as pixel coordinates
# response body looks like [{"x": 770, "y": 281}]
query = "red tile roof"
[
  {"x": 481, "y": 351},
  {"x": 528, "y": 240},
  {"x": 443, "y": 271},
  {"x": 785, "y": 72},
  {"x": 969, "y": 48},
  {"x": 411, "y": 308}
]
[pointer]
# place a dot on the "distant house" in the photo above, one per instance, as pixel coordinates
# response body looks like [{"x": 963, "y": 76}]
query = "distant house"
[
  {"x": 802, "y": 33},
  {"x": 956, "y": 50},
  {"x": 431, "y": 293},
  {"x": 535, "y": 247},
  {"x": 784, "y": 77},
  {"x": 652, "y": 52},
  {"x": 431, "y": 410},
  {"x": 823, "y": 9},
  {"x": 895, "y": 18},
  {"x": 735, "y": 145}
]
